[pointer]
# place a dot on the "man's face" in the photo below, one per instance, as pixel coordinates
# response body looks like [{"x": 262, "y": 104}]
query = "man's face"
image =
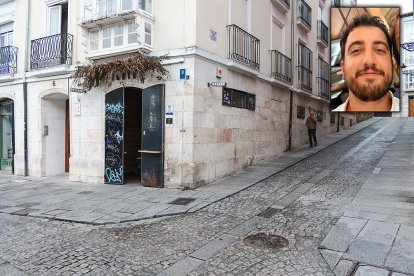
[{"x": 367, "y": 66}]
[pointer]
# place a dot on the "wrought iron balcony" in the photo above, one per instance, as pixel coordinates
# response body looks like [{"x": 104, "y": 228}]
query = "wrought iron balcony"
[
  {"x": 304, "y": 14},
  {"x": 322, "y": 33},
  {"x": 323, "y": 79},
  {"x": 281, "y": 66},
  {"x": 335, "y": 3},
  {"x": 305, "y": 78},
  {"x": 8, "y": 60},
  {"x": 51, "y": 51},
  {"x": 243, "y": 47},
  {"x": 305, "y": 67}
]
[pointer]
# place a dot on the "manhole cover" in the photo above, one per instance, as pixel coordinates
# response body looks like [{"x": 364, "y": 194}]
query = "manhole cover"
[
  {"x": 182, "y": 201},
  {"x": 265, "y": 241}
]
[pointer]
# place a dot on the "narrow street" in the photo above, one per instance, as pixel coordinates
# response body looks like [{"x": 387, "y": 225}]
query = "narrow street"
[{"x": 300, "y": 204}]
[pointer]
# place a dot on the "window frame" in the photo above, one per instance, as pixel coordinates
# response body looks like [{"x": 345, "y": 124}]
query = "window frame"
[{"x": 112, "y": 36}]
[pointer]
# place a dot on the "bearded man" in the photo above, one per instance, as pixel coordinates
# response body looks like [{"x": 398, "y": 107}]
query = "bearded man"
[{"x": 366, "y": 64}]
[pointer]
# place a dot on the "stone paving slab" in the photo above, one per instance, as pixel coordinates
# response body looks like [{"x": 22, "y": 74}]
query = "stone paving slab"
[
  {"x": 214, "y": 246},
  {"x": 331, "y": 257},
  {"x": 368, "y": 252},
  {"x": 182, "y": 267},
  {"x": 407, "y": 220},
  {"x": 365, "y": 270},
  {"x": 343, "y": 233},
  {"x": 401, "y": 256}
]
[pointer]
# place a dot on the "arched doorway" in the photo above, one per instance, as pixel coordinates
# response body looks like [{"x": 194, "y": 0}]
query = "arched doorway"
[
  {"x": 134, "y": 136},
  {"x": 6, "y": 136},
  {"x": 55, "y": 134}
]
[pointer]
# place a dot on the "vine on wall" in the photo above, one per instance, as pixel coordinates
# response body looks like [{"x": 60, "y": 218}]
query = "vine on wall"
[{"x": 139, "y": 65}]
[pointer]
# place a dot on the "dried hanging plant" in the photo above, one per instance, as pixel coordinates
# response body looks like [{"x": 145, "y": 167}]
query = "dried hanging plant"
[{"x": 102, "y": 73}]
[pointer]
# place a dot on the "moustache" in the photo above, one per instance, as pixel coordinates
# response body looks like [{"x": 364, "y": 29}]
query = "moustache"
[{"x": 369, "y": 70}]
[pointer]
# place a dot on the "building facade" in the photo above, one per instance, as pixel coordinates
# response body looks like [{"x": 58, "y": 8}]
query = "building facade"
[
  {"x": 407, "y": 58},
  {"x": 242, "y": 77}
]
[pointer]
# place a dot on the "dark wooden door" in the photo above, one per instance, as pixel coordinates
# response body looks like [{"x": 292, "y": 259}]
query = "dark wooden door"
[
  {"x": 152, "y": 142},
  {"x": 114, "y": 137}
]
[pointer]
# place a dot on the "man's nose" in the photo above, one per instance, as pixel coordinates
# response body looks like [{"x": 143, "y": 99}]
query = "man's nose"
[{"x": 369, "y": 58}]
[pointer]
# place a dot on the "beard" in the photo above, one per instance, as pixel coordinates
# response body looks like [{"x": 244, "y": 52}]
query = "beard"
[{"x": 368, "y": 90}]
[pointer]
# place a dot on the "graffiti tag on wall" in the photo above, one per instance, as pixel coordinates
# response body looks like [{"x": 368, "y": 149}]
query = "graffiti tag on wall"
[{"x": 114, "y": 137}]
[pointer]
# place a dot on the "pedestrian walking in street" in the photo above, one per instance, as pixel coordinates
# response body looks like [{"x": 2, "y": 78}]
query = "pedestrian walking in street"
[{"x": 311, "y": 124}]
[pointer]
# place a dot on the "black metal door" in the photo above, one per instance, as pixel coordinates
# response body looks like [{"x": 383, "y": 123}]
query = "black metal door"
[
  {"x": 152, "y": 145},
  {"x": 114, "y": 137}
]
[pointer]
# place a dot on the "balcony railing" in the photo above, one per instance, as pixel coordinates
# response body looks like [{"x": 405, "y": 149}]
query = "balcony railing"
[
  {"x": 8, "y": 60},
  {"x": 323, "y": 79},
  {"x": 335, "y": 3},
  {"x": 305, "y": 78},
  {"x": 243, "y": 47},
  {"x": 305, "y": 13},
  {"x": 305, "y": 67},
  {"x": 281, "y": 66},
  {"x": 51, "y": 51},
  {"x": 323, "y": 87},
  {"x": 323, "y": 32}
]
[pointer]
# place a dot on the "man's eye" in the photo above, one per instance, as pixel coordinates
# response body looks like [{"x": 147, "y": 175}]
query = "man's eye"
[
  {"x": 355, "y": 51},
  {"x": 381, "y": 50}
]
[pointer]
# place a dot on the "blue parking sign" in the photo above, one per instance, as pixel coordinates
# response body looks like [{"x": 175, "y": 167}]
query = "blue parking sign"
[{"x": 182, "y": 74}]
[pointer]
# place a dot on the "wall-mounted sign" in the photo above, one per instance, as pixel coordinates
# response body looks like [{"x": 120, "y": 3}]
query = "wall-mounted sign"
[
  {"x": 219, "y": 72},
  {"x": 182, "y": 74},
  {"x": 77, "y": 90},
  {"x": 217, "y": 84},
  {"x": 237, "y": 98},
  {"x": 169, "y": 110},
  {"x": 300, "y": 112},
  {"x": 319, "y": 115},
  {"x": 168, "y": 121},
  {"x": 213, "y": 35}
]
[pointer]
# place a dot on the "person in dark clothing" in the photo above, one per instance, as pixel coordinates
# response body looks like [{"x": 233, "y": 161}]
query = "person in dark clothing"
[{"x": 311, "y": 124}]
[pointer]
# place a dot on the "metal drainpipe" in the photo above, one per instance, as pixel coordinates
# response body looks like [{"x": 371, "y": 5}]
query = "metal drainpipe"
[
  {"x": 292, "y": 57},
  {"x": 26, "y": 55}
]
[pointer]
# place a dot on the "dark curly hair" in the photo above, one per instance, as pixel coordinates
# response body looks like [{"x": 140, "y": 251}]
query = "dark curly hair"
[{"x": 365, "y": 20}]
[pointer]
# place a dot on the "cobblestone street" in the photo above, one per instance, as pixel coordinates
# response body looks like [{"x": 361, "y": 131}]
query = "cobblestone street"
[{"x": 301, "y": 204}]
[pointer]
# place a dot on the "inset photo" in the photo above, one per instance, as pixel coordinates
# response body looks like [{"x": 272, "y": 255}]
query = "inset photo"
[{"x": 365, "y": 62}]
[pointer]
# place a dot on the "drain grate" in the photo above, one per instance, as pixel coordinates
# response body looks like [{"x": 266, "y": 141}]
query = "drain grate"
[
  {"x": 182, "y": 201},
  {"x": 265, "y": 241},
  {"x": 268, "y": 213},
  {"x": 85, "y": 193},
  {"x": 410, "y": 200}
]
